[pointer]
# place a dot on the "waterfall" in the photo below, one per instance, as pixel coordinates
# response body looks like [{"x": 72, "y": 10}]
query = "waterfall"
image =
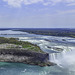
[{"x": 64, "y": 58}]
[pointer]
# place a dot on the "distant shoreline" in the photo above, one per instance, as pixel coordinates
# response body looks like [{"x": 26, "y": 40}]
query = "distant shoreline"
[{"x": 60, "y": 32}]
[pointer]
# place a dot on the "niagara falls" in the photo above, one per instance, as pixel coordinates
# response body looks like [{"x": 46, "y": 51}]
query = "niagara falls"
[{"x": 61, "y": 53}]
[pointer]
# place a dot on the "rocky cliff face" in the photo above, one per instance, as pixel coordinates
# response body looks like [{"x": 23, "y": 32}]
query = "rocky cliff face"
[{"x": 24, "y": 56}]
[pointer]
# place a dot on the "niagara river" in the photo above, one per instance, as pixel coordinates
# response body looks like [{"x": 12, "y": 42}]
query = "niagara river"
[{"x": 61, "y": 51}]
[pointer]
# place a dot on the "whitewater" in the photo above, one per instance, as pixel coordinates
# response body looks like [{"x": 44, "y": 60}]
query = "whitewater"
[{"x": 64, "y": 57}]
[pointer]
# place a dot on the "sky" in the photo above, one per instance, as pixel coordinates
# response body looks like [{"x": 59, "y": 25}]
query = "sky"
[{"x": 37, "y": 13}]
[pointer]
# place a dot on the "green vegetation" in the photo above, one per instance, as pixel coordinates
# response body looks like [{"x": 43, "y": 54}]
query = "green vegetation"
[
  {"x": 52, "y": 32},
  {"x": 26, "y": 45}
]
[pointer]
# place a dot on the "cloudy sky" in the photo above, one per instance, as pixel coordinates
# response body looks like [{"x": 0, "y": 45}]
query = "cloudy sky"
[{"x": 37, "y": 13}]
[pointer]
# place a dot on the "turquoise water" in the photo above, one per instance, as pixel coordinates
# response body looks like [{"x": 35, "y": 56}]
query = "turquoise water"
[
  {"x": 23, "y": 69},
  {"x": 65, "y": 59}
]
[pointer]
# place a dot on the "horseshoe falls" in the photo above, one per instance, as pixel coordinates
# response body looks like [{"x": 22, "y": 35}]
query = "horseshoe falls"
[
  {"x": 63, "y": 59},
  {"x": 60, "y": 52}
]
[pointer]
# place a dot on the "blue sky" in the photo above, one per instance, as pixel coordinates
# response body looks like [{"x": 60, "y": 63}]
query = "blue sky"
[{"x": 37, "y": 13}]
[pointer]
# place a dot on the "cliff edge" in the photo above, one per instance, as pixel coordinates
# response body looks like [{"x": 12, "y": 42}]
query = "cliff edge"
[{"x": 25, "y": 56}]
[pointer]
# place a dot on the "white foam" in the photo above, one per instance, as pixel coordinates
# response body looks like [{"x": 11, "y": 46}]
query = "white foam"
[{"x": 63, "y": 59}]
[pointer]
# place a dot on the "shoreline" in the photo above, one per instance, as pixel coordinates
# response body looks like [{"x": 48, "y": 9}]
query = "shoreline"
[{"x": 25, "y": 56}]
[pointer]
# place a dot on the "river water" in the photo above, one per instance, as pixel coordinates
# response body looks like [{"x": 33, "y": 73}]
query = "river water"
[{"x": 64, "y": 57}]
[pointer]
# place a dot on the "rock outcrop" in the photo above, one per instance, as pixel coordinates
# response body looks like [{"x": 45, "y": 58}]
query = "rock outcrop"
[{"x": 25, "y": 56}]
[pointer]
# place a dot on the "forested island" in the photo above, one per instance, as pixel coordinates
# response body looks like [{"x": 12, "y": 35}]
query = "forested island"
[
  {"x": 65, "y": 32},
  {"x": 13, "y": 50}
]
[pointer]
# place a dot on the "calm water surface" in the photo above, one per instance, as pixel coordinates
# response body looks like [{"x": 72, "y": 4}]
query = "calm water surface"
[{"x": 23, "y": 69}]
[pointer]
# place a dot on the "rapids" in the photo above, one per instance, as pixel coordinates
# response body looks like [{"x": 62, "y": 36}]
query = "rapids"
[{"x": 64, "y": 57}]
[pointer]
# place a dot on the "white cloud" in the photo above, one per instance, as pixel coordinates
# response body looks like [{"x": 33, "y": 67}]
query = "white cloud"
[
  {"x": 55, "y": 1},
  {"x": 26, "y": 2},
  {"x": 14, "y": 3},
  {"x": 69, "y": 1},
  {"x": 46, "y": 2},
  {"x": 18, "y": 3}
]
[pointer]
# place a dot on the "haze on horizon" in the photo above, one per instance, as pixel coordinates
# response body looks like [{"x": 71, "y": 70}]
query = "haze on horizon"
[{"x": 37, "y": 13}]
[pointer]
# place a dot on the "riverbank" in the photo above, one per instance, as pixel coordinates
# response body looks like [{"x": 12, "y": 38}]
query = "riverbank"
[
  {"x": 60, "y": 32},
  {"x": 25, "y": 56},
  {"x": 16, "y": 43},
  {"x": 13, "y": 50}
]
